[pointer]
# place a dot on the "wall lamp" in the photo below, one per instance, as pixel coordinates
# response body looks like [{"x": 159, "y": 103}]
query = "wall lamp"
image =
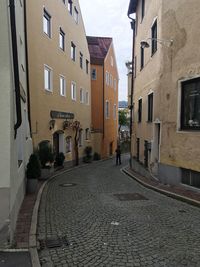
[{"x": 145, "y": 44}]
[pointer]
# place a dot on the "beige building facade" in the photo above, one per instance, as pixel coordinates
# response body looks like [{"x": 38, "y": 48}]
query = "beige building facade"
[
  {"x": 166, "y": 129},
  {"x": 15, "y": 139},
  {"x": 59, "y": 75}
]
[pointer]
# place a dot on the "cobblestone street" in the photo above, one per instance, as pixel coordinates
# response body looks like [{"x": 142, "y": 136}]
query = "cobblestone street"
[{"x": 97, "y": 216}]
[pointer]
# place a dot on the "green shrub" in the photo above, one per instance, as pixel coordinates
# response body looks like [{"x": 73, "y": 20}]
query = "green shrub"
[
  {"x": 96, "y": 156},
  {"x": 33, "y": 170},
  {"x": 59, "y": 159}
]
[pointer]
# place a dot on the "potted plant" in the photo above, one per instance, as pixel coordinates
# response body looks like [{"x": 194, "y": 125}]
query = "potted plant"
[
  {"x": 88, "y": 154},
  {"x": 59, "y": 160},
  {"x": 33, "y": 172},
  {"x": 46, "y": 158}
]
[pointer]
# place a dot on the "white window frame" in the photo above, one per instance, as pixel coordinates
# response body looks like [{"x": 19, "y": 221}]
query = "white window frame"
[
  {"x": 47, "y": 17},
  {"x": 64, "y": 86},
  {"x": 76, "y": 15},
  {"x": 69, "y": 146},
  {"x": 73, "y": 51},
  {"x": 107, "y": 109},
  {"x": 62, "y": 39},
  {"x": 70, "y": 7},
  {"x": 73, "y": 90},
  {"x": 81, "y": 95},
  {"x": 50, "y": 78}
]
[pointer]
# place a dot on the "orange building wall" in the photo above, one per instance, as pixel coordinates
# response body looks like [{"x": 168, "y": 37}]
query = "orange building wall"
[
  {"x": 108, "y": 127},
  {"x": 97, "y": 99}
]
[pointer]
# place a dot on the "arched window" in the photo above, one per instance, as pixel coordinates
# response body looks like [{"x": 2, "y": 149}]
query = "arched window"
[{"x": 68, "y": 144}]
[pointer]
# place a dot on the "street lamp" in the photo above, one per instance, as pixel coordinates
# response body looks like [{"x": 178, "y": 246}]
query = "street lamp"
[{"x": 145, "y": 44}]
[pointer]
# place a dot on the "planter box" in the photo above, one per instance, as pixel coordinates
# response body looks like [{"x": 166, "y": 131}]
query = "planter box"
[
  {"x": 31, "y": 185},
  {"x": 46, "y": 173}
]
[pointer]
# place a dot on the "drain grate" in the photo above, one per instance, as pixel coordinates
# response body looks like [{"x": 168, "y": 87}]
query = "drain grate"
[
  {"x": 54, "y": 242},
  {"x": 130, "y": 197},
  {"x": 67, "y": 185}
]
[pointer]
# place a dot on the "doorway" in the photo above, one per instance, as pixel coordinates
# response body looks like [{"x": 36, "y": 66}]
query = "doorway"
[
  {"x": 111, "y": 149},
  {"x": 58, "y": 142}
]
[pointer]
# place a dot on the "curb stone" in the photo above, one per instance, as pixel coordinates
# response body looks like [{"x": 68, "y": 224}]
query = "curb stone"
[{"x": 162, "y": 191}]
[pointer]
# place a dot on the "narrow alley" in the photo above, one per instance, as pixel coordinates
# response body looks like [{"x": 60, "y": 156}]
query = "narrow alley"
[{"x": 97, "y": 216}]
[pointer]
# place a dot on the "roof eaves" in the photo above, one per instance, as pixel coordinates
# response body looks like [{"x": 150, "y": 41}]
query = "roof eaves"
[{"x": 132, "y": 7}]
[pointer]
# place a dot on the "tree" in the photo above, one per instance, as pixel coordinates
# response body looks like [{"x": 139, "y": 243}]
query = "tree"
[
  {"x": 122, "y": 119},
  {"x": 76, "y": 126}
]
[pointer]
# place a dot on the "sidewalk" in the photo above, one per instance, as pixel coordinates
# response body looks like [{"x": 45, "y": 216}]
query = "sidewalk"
[{"x": 180, "y": 192}]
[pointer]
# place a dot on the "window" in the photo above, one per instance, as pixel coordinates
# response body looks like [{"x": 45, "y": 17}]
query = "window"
[
  {"x": 87, "y": 132},
  {"x": 142, "y": 9},
  {"x": 62, "y": 40},
  {"x": 111, "y": 80},
  {"x": 141, "y": 58},
  {"x": 150, "y": 107},
  {"x": 81, "y": 60},
  {"x": 87, "y": 66},
  {"x": 68, "y": 144},
  {"x": 190, "y": 177},
  {"x": 107, "y": 109},
  {"x": 62, "y": 86},
  {"x": 115, "y": 84},
  {"x": 140, "y": 110},
  {"x": 73, "y": 91},
  {"x": 81, "y": 95},
  {"x": 47, "y": 23},
  {"x": 114, "y": 111},
  {"x": 47, "y": 78},
  {"x": 190, "y": 104},
  {"x": 107, "y": 78},
  {"x": 154, "y": 38},
  {"x": 76, "y": 15},
  {"x": 73, "y": 51},
  {"x": 70, "y": 6},
  {"x": 93, "y": 74},
  {"x": 87, "y": 98}
]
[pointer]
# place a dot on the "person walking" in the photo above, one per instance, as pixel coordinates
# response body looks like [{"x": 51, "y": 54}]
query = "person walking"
[{"x": 118, "y": 155}]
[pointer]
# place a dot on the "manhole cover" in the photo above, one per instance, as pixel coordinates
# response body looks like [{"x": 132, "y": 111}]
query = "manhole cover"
[
  {"x": 67, "y": 185},
  {"x": 130, "y": 197}
]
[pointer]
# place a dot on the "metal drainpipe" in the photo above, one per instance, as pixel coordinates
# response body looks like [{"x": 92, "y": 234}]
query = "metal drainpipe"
[
  {"x": 103, "y": 101},
  {"x": 27, "y": 67},
  {"x": 15, "y": 66},
  {"x": 132, "y": 83}
]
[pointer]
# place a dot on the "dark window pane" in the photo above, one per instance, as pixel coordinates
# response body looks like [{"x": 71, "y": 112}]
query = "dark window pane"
[
  {"x": 154, "y": 38},
  {"x": 190, "y": 111}
]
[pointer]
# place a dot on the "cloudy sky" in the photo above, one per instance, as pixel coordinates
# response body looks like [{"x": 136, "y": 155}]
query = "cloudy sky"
[{"x": 109, "y": 18}]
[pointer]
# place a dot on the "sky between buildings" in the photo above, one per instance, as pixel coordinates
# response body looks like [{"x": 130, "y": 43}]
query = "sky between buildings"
[{"x": 109, "y": 18}]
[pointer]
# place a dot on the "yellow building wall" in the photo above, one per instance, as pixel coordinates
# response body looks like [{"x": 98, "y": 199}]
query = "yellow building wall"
[{"x": 43, "y": 50}]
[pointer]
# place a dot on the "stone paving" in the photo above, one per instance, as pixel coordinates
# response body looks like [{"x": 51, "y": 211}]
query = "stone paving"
[{"x": 102, "y": 231}]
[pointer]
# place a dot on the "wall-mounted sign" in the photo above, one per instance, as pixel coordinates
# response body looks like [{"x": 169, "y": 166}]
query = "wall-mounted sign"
[{"x": 61, "y": 115}]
